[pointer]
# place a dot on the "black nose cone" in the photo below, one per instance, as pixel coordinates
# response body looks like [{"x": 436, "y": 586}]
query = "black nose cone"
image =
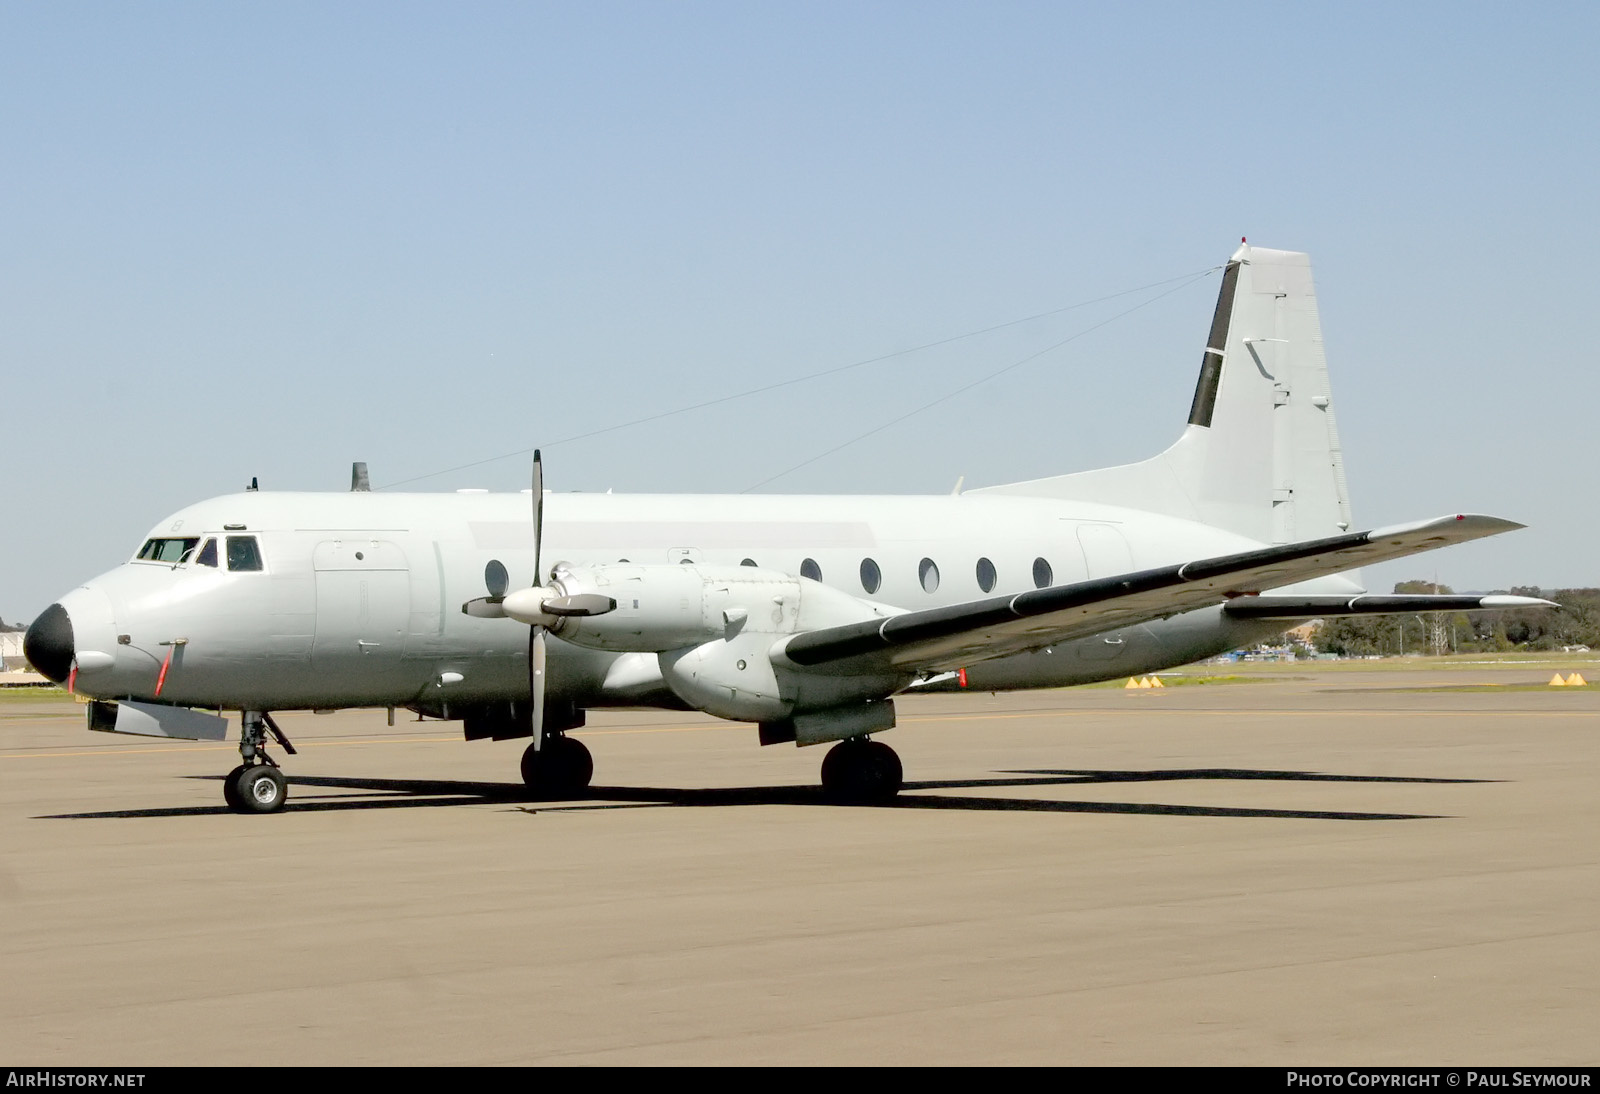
[{"x": 48, "y": 643}]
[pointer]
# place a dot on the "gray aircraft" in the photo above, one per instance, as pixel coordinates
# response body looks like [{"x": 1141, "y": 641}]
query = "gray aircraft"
[{"x": 805, "y": 616}]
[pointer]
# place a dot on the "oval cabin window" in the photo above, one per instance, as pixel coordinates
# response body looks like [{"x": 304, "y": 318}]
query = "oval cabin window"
[
  {"x": 871, "y": 576},
  {"x": 809, "y": 568},
  {"x": 986, "y": 575},
  {"x": 1041, "y": 573},
  {"x": 928, "y": 574}
]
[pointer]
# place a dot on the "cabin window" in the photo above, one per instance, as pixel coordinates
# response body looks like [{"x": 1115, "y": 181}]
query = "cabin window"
[
  {"x": 173, "y": 550},
  {"x": 986, "y": 575},
  {"x": 871, "y": 576},
  {"x": 243, "y": 554},
  {"x": 809, "y": 568},
  {"x": 928, "y": 574},
  {"x": 208, "y": 554},
  {"x": 747, "y": 562},
  {"x": 1041, "y": 573}
]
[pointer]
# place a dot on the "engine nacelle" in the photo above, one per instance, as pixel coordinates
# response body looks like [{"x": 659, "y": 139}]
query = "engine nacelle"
[
  {"x": 733, "y": 675},
  {"x": 712, "y": 629},
  {"x": 728, "y": 677},
  {"x": 663, "y": 608}
]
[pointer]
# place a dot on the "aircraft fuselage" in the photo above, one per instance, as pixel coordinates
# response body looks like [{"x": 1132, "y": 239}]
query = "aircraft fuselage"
[{"x": 357, "y": 597}]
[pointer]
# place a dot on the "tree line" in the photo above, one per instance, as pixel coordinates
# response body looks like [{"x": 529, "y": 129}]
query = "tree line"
[{"x": 1577, "y": 623}]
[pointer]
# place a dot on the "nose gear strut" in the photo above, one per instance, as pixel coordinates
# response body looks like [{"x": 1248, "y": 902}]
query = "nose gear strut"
[{"x": 257, "y": 785}]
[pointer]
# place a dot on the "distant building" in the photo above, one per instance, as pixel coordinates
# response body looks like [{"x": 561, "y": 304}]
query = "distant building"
[
  {"x": 11, "y": 650},
  {"x": 1304, "y": 633}
]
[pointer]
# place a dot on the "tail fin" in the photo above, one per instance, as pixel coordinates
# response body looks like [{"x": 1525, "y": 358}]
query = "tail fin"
[{"x": 1261, "y": 455}]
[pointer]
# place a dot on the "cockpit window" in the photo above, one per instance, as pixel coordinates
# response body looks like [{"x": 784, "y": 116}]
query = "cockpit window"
[
  {"x": 208, "y": 554},
  {"x": 173, "y": 550},
  {"x": 243, "y": 554}
]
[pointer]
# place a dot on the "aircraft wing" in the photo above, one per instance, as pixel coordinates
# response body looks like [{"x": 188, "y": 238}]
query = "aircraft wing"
[
  {"x": 947, "y": 638},
  {"x": 1321, "y": 607}
]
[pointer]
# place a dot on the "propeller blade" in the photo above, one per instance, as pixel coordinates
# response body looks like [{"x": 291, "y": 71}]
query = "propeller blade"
[
  {"x": 580, "y": 604},
  {"x": 536, "y": 636},
  {"x": 485, "y": 607},
  {"x": 536, "y": 660},
  {"x": 538, "y": 515}
]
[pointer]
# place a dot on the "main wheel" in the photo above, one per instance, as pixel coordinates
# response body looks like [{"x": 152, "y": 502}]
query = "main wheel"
[
  {"x": 562, "y": 768},
  {"x": 862, "y": 772},
  {"x": 260, "y": 789},
  {"x": 230, "y": 788}
]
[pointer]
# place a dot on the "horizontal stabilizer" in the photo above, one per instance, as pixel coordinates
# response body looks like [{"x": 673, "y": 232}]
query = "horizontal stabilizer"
[
  {"x": 947, "y": 638},
  {"x": 1321, "y": 607}
]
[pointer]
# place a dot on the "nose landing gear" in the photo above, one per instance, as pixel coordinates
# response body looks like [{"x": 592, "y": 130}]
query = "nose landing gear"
[{"x": 257, "y": 785}]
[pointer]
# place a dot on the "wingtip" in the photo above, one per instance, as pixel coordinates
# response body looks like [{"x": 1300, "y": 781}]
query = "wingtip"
[
  {"x": 1507, "y": 601},
  {"x": 1475, "y": 524},
  {"x": 1498, "y": 522},
  {"x": 1483, "y": 520}
]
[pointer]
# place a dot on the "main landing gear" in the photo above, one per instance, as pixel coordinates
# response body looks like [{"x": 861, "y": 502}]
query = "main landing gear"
[
  {"x": 256, "y": 785},
  {"x": 560, "y": 768},
  {"x": 861, "y": 772}
]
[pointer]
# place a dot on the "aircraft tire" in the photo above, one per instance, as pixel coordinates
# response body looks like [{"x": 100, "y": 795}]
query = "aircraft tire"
[
  {"x": 862, "y": 772},
  {"x": 562, "y": 768},
  {"x": 230, "y": 789},
  {"x": 261, "y": 789}
]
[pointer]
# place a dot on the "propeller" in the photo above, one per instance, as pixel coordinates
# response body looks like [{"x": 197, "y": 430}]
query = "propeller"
[
  {"x": 539, "y": 607},
  {"x": 536, "y": 632}
]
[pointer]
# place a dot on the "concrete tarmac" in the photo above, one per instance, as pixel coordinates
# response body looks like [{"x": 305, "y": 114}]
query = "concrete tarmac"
[{"x": 1321, "y": 869}]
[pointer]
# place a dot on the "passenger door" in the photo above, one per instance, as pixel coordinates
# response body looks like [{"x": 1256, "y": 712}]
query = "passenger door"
[{"x": 363, "y": 608}]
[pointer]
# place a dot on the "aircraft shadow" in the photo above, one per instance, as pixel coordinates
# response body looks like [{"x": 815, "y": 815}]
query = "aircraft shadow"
[{"x": 434, "y": 793}]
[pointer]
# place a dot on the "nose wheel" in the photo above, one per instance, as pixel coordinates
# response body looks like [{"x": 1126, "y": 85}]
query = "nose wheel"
[
  {"x": 861, "y": 772},
  {"x": 257, "y": 789},
  {"x": 256, "y": 785},
  {"x": 560, "y": 768}
]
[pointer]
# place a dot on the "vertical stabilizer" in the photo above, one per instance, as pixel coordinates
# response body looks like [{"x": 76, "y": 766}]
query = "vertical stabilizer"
[{"x": 1261, "y": 455}]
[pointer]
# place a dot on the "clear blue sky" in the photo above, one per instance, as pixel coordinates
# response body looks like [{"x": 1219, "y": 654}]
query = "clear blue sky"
[{"x": 270, "y": 239}]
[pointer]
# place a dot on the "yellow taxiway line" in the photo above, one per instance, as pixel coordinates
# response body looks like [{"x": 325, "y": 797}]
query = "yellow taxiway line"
[{"x": 922, "y": 719}]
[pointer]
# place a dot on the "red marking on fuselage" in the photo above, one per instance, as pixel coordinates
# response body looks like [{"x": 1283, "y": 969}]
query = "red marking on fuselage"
[{"x": 161, "y": 681}]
